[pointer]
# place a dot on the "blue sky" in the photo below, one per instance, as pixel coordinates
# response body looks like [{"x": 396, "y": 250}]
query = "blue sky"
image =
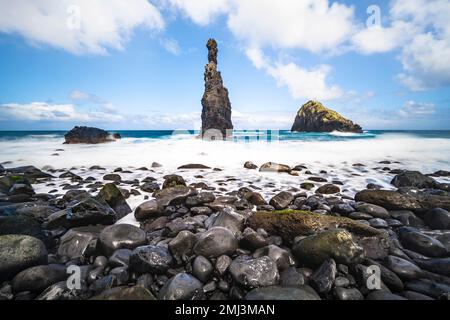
[{"x": 139, "y": 64}]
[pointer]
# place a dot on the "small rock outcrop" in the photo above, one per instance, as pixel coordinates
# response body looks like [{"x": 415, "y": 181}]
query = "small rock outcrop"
[
  {"x": 314, "y": 117},
  {"x": 89, "y": 135},
  {"x": 216, "y": 113}
]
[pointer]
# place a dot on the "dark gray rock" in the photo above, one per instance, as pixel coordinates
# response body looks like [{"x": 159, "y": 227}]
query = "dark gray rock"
[
  {"x": 429, "y": 288},
  {"x": 173, "y": 195},
  {"x": 114, "y": 198},
  {"x": 38, "y": 278},
  {"x": 408, "y": 218},
  {"x": 79, "y": 242},
  {"x": 282, "y": 293},
  {"x": 216, "y": 113},
  {"x": 323, "y": 279},
  {"x": 291, "y": 278},
  {"x": 348, "y": 294},
  {"x": 173, "y": 180},
  {"x": 202, "y": 268},
  {"x": 253, "y": 273},
  {"x": 251, "y": 240},
  {"x": 374, "y": 210},
  {"x": 281, "y": 257},
  {"x": 89, "y": 135},
  {"x": 181, "y": 287},
  {"x": 282, "y": 200},
  {"x": 438, "y": 219},
  {"x": 403, "y": 268},
  {"x": 120, "y": 258},
  {"x": 229, "y": 219},
  {"x": 147, "y": 210},
  {"x": 151, "y": 259},
  {"x": 222, "y": 264},
  {"x": 121, "y": 236},
  {"x": 215, "y": 242},
  {"x": 181, "y": 246},
  {"x": 421, "y": 243},
  {"x": 19, "y": 252},
  {"x": 328, "y": 189},
  {"x": 413, "y": 179},
  {"x": 439, "y": 266}
]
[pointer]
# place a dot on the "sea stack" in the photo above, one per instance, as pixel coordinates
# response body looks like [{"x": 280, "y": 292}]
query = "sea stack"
[
  {"x": 89, "y": 135},
  {"x": 216, "y": 113},
  {"x": 314, "y": 117}
]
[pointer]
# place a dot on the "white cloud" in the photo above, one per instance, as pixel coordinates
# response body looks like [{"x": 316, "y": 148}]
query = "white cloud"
[
  {"x": 302, "y": 83},
  {"x": 202, "y": 12},
  {"x": 416, "y": 109},
  {"x": 77, "y": 95},
  {"x": 171, "y": 46},
  {"x": 78, "y": 26},
  {"x": 42, "y": 111}
]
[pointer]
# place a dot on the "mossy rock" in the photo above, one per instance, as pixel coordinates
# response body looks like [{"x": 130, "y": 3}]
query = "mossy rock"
[{"x": 291, "y": 223}]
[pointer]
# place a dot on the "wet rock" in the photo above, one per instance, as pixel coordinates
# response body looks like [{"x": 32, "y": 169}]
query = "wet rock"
[
  {"x": 374, "y": 210},
  {"x": 120, "y": 258},
  {"x": 121, "y": 275},
  {"x": 390, "y": 200},
  {"x": 215, "y": 242},
  {"x": 408, "y": 218},
  {"x": 201, "y": 211},
  {"x": 282, "y": 200},
  {"x": 403, "y": 268},
  {"x": 60, "y": 291},
  {"x": 255, "y": 198},
  {"x": 439, "y": 266},
  {"x": 194, "y": 166},
  {"x": 251, "y": 240},
  {"x": 173, "y": 196},
  {"x": 383, "y": 295},
  {"x": 24, "y": 225},
  {"x": 181, "y": 246},
  {"x": 348, "y": 294},
  {"x": 121, "y": 236},
  {"x": 125, "y": 293},
  {"x": 336, "y": 244},
  {"x": 328, "y": 189},
  {"x": 79, "y": 242},
  {"x": 343, "y": 208},
  {"x": 323, "y": 279},
  {"x": 429, "y": 288},
  {"x": 173, "y": 180},
  {"x": 112, "y": 177},
  {"x": 38, "y": 278},
  {"x": 421, "y": 243},
  {"x": 378, "y": 223},
  {"x": 114, "y": 198},
  {"x": 274, "y": 167},
  {"x": 181, "y": 287},
  {"x": 230, "y": 220},
  {"x": 222, "y": 264},
  {"x": 281, "y": 257},
  {"x": 86, "y": 212},
  {"x": 19, "y": 252},
  {"x": 290, "y": 223},
  {"x": 202, "y": 268},
  {"x": 147, "y": 210},
  {"x": 151, "y": 259},
  {"x": 413, "y": 179},
  {"x": 250, "y": 165},
  {"x": 150, "y": 187},
  {"x": 200, "y": 199},
  {"x": 438, "y": 219},
  {"x": 253, "y": 273},
  {"x": 291, "y": 278},
  {"x": 89, "y": 135},
  {"x": 282, "y": 293}
]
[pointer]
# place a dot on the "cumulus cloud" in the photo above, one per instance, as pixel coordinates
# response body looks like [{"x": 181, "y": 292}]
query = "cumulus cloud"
[
  {"x": 414, "y": 109},
  {"x": 302, "y": 83},
  {"x": 42, "y": 111},
  {"x": 201, "y": 12},
  {"x": 78, "y": 26}
]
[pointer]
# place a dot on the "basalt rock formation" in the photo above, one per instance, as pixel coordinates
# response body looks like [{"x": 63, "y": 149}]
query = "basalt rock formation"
[
  {"x": 314, "y": 117},
  {"x": 216, "y": 113},
  {"x": 89, "y": 135}
]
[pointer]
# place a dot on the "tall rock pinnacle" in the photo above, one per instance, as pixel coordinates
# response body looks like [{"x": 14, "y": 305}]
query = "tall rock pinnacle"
[{"x": 216, "y": 113}]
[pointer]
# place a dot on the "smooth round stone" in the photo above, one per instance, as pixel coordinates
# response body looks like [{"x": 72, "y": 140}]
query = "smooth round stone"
[
  {"x": 151, "y": 259},
  {"x": 120, "y": 258},
  {"x": 181, "y": 287},
  {"x": 147, "y": 210},
  {"x": 100, "y": 261},
  {"x": 282, "y": 293},
  {"x": 438, "y": 219},
  {"x": 39, "y": 278},
  {"x": 323, "y": 279},
  {"x": 215, "y": 242},
  {"x": 360, "y": 216},
  {"x": 202, "y": 268},
  {"x": 251, "y": 240},
  {"x": 378, "y": 223},
  {"x": 439, "y": 265},
  {"x": 348, "y": 294},
  {"x": 282, "y": 258},
  {"x": 374, "y": 210},
  {"x": 403, "y": 268},
  {"x": 291, "y": 278},
  {"x": 222, "y": 264},
  {"x": 341, "y": 282},
  {"x": 121, "y": 274},
  {"x": 421, "y": 243},
  {"x": 281, "y": 200},
  {"x": 19, "y": 252},
  {"x": 121, "y": 236},
  {"x": 78, "y": 242},
  {"x": 181, "y": 246},
  {"x": 253, "y": 273}
]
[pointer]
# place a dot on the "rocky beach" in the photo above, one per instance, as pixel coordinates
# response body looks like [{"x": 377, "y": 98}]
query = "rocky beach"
[{"x": 249, "y": 229}]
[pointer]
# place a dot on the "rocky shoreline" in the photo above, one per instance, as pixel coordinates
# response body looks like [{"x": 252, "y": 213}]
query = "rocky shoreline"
[{"x": 138, "y": 234}]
